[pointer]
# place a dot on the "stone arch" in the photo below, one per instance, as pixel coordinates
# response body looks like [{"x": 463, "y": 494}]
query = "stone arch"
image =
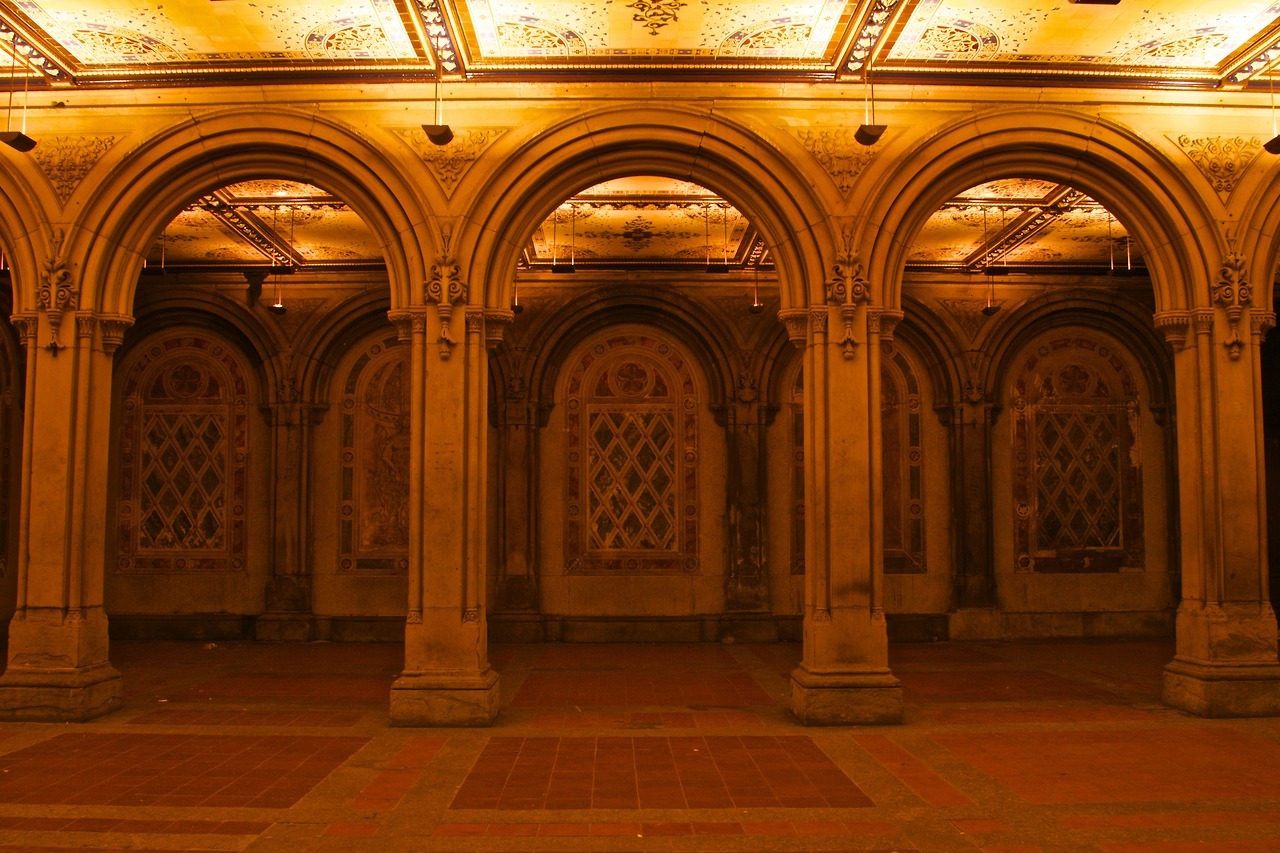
[
  {"x": 638, "y": 139},
  {"x": 1259, "y": 242},
  {"x": 25, "y": 237},
  {"x": 145, "y": 190},
  {"x": 1155, "y": 201}
]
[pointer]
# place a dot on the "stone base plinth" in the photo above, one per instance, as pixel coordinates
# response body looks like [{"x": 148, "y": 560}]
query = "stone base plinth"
[
  {"x": 284, "y": 628},
  {"x": 444, "y": 699},
  {"x": 845, "y": 698},
  {"x": 60, "y": 696},
  {"x": 1223, "y": 690}
]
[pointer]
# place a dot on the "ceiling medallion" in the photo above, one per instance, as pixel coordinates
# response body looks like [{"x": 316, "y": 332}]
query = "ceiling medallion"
[{"x": 656, "y": 14}]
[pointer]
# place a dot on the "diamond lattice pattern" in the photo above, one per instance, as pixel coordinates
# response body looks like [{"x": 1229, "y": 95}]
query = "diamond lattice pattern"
[
  {"x": 183, "y": 478},
  {"x": 631, "y": 480},
  {"x": 1078, "y": 479}
]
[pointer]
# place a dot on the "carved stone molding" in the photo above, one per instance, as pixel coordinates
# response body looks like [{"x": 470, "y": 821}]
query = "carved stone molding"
[
  {"x": 1223, "y": 160},
  {"x": 837, "y": 152},
  {"x": 57, "y": 293},
  {"x": 818, "y": 320},
  {"x": 450, "y": 163},
  {"x": 66, "y": 160},
  {"x": 1261, "y": 322},
  {"x": 883, "y": 322},
  {"x": 1175, "y": 326},
  {"x": 446, "y": 289},
  {"x": 1202, "y": 321},
  {"x": 1233, "y": 292},
  {"x": 114, "y": 327}
]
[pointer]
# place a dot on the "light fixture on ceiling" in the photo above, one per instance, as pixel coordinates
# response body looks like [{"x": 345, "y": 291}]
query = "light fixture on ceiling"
[
  {"x": 277, "y": 307},
  {"x": 17, "y": 140},
  {"x": 556, "y": 265},
  {"x": 756, "y": 305},
  {"x": 516, "y": 307},
  {"x": 439, "y": 133},
  {"x": 868, "y": 133},
  {"x": 991, "y": 307}
]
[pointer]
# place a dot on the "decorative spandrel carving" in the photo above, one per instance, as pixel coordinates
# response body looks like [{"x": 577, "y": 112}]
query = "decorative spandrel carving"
[
  {"x": 301, "y": 311},
  {"x": 450, "y": 163},
  {"x": 631, "y": 421},
  {"x": 373, "y": 523},
  {"x": 968, "y": 313},
  {"x": 66, "y": 160},
  {"x": 184, "y": 458},
  {"x": 1223, "y": 160},
  {"x": 837, "y": 153},
  {"x": 1077, "y": 471}
]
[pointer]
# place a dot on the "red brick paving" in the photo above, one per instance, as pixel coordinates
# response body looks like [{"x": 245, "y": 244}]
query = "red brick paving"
[{"x": 680, "y": 748}]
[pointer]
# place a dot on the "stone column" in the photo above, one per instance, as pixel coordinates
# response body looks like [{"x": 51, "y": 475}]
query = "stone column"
[
  {"x": 970, "y": 426},
  {"x": 1226, "y": 663},
  {"x": 517, "y": 575},
  {"x": 844, "y": 676},
  {"x": 447, "y": 680},
  {"x": 288, "y": 615},
  {"x": 746, "y": 582},
  {"x": 58, "y": 668}
]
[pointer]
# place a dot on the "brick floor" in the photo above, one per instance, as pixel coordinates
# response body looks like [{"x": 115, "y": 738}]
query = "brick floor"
[{"x": 1006, "y": 747}]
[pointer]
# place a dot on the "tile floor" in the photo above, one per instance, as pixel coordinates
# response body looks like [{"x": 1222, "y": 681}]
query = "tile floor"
[{"x": 1007, "y": 747}]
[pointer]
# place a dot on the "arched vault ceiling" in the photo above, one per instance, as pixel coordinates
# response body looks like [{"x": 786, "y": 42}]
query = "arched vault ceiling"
[
  {"x": 646, "y": 222},
  {"x": 68, "y": 43}
]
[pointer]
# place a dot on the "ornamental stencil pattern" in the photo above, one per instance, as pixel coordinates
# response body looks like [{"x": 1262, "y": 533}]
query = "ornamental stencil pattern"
[
  {"x": 373, "y": 523},
  {"x": 184, "y": 457},
  {"x": 631, "y": 404},
  {"x": 1077, "y": 479}
]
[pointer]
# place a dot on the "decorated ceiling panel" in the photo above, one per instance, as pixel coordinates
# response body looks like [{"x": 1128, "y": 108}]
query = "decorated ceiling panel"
[{"x": 1155, "y": 42}]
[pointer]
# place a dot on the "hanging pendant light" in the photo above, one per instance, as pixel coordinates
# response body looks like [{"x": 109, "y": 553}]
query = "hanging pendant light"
[
  {"x": 439, "y": 133},
  {"x": 556, "y": 265},
  {"x": 17, "y": 140},
  {"x": 756, "y": 305},
  {"x": 869, "y": 132}
]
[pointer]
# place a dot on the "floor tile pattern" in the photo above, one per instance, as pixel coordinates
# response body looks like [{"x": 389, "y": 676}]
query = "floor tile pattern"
[{"x": 713, "y": 772}]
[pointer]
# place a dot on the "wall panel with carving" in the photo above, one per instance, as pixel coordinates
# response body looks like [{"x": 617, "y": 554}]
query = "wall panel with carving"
[
  {"x": 184, "y": 535},
  {"x": 359, "y": 480},
  {"x": 1080, "y": 510}
]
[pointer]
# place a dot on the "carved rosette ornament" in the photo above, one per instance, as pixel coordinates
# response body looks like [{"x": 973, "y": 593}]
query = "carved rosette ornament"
[
  {"x": 1233, "y": 292},
  {"x": 848, "y": 288},
  {"x": 57, "y": 293},
  {"x": 446, "y": 289}
]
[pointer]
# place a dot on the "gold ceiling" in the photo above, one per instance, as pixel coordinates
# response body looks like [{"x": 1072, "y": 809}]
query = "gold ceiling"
[
  {"x": 106, "y": 42},
  {"x": 1014, "y": 225}
]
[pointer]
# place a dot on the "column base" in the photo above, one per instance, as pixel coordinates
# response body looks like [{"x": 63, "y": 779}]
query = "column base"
[
  {"x": 444, "y": 699},
  {"x": 1223, "y": 690},
  {"x": 60, "y": 696},
  {"x": 844, "y": 699}
]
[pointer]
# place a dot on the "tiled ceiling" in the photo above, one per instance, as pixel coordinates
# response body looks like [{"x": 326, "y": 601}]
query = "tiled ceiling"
[{"x": 1152, "y": 42}]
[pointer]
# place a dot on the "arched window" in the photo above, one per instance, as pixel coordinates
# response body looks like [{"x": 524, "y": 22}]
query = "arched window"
[
  {"x": 184, "y": 453},
  {"x": 631, "y": 416},
  {"x": 1076, "y": 473},
  {"x": 374, "y": 506}
]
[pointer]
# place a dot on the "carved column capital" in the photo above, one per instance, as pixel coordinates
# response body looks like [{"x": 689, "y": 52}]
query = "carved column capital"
[
  {"x": 797, "y": 322},
  {"x": 1175, "y": 326},
  {"x": 1202, "y": 320},
  {"x": 882, "y": 321},
  {"x": 1261, "y": 322},
  {"x": 818, "y": 319},
  {"x": 497, "y": 321},
  {"x": 408, "y": 321},
  {"x": 27, "y": 327}
]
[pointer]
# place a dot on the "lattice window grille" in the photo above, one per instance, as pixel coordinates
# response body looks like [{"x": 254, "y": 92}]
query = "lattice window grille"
[
  {"x": 184, "y": 476},
  {"x": 632, "y": 480},
  {"x": 1078, "y": 479}
]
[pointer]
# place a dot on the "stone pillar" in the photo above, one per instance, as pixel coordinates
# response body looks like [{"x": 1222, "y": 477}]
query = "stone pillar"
[
  {"x": 517, "y": 574},
  {"x": 844, "y": 676},
  {"x": 1226, "y": 662},
  {"x": 447, "y": 680},
  {"x": 57, "y": 660},
  {"x": 288, "y": 614},
  {"x": 746, "y": 582},
  {"x": 970, "y": 426}
]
